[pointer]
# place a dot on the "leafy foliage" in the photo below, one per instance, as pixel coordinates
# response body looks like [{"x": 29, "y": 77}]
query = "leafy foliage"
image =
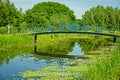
[
  {"x": 9, "y": 14},
  {"x": 53, "y": 16},
  {"x": 100, "y": 16},
  {"x": 105, "y": 69},
  {"x": 49, "y": 13}
]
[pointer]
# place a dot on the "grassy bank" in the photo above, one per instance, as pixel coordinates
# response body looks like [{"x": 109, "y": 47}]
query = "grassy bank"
[
  {"x": 11, "y": 40},
  {"x": 51, "y": 42},
  {"x": 105, "y": 69},
  {"x": 14, "y": 40}
]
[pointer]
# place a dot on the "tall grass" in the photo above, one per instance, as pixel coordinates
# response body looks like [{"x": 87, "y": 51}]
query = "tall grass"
[
  {"x": 13, "y": 40},
  {"x": 48, "y": 42},
  {"x": 105, "y": 69}
]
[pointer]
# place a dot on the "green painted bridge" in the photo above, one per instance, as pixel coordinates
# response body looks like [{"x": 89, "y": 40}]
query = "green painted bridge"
[{"x": 90, "y": 33}]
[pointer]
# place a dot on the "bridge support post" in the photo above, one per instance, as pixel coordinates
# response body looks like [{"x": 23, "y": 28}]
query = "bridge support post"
[
  {"x": 115, "y": 39},
  {"x": 35, "y": 43}
]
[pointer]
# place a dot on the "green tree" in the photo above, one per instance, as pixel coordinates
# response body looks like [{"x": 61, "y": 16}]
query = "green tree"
[
  {"x": 9, "y": 14},
  {"x": 49, "y": 13},
  {"x": 117, "y": 17},
  {"x": 100, "y": 16}
]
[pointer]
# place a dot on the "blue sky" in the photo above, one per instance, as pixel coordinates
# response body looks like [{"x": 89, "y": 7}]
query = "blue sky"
[{"x": 78, "y": 6}]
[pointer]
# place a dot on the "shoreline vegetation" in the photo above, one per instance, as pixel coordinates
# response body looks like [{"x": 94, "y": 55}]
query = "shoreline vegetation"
[
  {"x": 11, "y": 40},
  {"x": 56, "y": 16},
  {"x": 103, "y": 68},
  {"x": 15, "y": 27}
]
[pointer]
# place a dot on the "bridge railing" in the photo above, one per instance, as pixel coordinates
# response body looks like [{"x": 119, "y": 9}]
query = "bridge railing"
[{"x": 90, "y": 33}]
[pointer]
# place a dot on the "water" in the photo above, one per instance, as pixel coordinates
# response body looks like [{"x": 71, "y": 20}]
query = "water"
[
  {"x": 24, "y": 64},
  {"x": 12, "y": 63},
  {"x": 77, "y": 50}
]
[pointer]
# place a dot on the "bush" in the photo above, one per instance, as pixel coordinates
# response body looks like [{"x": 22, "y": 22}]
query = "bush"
[{"x": 3, "y": 30}]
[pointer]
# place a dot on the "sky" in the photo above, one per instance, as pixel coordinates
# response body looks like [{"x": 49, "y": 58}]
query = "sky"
[{"x": 78, "y": 6}]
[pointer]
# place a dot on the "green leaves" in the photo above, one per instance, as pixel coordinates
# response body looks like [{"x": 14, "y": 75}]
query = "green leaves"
[
  {"x": 101, "y": 16},
  {"x": 9, "y": 15},
  {"x": 46, "y": 13},
  {"x": 74, "y": 27}
]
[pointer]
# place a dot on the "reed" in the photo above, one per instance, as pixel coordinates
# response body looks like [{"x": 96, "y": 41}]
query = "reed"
[
  {"x": 15, "y": 40},
  {"x": 105, "y": 69}
]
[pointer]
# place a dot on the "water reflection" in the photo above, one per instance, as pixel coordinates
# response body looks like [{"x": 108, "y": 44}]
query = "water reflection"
[
  {"x": 23, "y": 59},
  {"x": 77, "y": 50},
  {"x": 28, "y": 62}
]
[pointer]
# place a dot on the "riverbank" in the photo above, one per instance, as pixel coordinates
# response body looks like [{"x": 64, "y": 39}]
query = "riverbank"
[
  {"x": 104, "y": 68},
  {"x": 17, "y": 40},
  {"x": 107, "y": 68},
  {"x": 26, "y": 39},
  {"x": 52, "y": 43},
  {"x": 64, "y": 43}
]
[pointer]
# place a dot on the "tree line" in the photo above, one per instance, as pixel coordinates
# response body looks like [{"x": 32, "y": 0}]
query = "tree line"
[
  {"x": 48, "y": 14},
  {"x": 9, "y": 15},
  {"x": 107, "y": 17}
]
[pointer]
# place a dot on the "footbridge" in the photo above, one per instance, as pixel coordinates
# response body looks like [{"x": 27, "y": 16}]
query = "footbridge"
[{"x": 90, "y": 33}]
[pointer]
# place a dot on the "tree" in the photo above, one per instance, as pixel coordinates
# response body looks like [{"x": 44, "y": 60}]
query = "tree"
[
  {"x": 49, "y": 13},
  {"x": 9, "y": 14},
  {"x": 99, "y": 16}
]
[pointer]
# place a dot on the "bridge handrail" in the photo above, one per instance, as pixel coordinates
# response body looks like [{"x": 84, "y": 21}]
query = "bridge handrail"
[{"x": 94, "y": 33}]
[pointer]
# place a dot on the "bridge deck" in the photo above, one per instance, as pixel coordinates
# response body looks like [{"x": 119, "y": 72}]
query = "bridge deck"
[{"x": 92, "y": 33}]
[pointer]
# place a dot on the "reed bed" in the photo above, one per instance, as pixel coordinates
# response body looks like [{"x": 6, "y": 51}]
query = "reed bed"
[
  {"x": 105, "y": 68},
  {"x": 14, "y": 40}
]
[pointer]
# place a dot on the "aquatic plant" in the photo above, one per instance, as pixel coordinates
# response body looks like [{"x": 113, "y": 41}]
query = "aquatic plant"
[
  {"x": 54, "y": 72},
  {"x": 105, "y": 69}
]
